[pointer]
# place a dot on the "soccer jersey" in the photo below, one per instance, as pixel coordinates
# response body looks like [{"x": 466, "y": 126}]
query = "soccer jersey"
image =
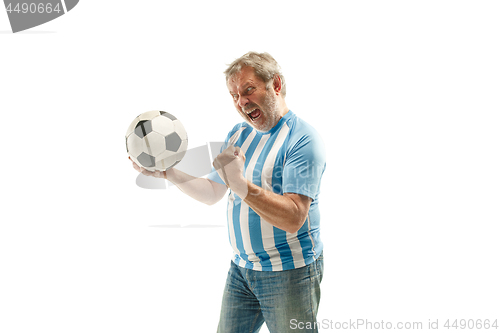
[{"x": 290, "y": 158}]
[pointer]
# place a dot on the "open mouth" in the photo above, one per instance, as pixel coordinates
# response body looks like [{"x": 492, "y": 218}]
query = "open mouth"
[{"x": 254, "y": 114}]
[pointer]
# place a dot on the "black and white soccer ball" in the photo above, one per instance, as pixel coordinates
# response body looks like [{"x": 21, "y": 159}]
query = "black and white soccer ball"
[{"x": 156, "y": 140}]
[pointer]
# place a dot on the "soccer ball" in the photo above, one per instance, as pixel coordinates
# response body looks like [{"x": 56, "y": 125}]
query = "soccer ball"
[{"x": 156, "y": 140}]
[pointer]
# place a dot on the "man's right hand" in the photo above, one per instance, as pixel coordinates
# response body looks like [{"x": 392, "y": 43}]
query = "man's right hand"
[{"x": 157, "y": 174}]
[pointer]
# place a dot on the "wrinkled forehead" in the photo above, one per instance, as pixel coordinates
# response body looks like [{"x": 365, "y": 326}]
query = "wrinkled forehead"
[{"x": 246, "y": 76}]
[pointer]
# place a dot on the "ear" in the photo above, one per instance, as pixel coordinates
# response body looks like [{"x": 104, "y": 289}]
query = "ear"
[{"x": 277, "y": 83}]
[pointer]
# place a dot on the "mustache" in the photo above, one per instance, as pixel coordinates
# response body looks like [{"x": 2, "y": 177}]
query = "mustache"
[{"x": 250, "y": 107}]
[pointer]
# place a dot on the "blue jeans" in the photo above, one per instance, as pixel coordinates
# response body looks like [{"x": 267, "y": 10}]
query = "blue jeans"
[{"x": 285, "y": 300}]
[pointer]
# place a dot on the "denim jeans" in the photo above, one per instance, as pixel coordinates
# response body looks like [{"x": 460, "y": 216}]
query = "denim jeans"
[{"x": 285, "y": 300}]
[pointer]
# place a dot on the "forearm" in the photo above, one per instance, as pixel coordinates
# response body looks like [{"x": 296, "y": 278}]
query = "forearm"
[
  {"x": 282, "y": 211},
  {"x": 200, "y": 189}
]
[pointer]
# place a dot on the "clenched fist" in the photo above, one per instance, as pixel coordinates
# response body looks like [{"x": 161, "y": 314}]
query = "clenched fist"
[{"x": 230, "y": 165}]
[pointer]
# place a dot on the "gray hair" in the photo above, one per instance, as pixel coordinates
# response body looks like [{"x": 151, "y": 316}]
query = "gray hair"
[{"x": 264, "y": 65}]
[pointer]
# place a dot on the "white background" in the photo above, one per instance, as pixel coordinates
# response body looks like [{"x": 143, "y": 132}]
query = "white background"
[{"x": 405, "y": 94}]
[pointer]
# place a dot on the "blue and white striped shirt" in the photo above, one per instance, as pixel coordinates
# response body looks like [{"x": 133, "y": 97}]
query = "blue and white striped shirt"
[{"x": 290, "y": 158}]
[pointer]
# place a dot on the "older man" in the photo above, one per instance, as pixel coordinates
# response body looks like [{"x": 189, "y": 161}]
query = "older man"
[{"x": 273, "y": 166}]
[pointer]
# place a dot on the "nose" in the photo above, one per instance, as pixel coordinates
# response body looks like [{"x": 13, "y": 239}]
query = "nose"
[{"x": 242, "y": 101}]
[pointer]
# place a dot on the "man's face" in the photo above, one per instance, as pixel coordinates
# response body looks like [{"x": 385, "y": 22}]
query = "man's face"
[{"x": 256, "y": 103}]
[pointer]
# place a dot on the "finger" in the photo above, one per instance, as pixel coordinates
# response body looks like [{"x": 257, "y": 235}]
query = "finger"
[
  {"x": 146, "y": 172},
  {"x": 136, "y": 167},
  {"x": 229, "y": 150},
  {"x": 238, "y": 152}
]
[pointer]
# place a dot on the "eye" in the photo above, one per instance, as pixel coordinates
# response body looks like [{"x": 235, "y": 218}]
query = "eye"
[{"x": 249, "y": 90}]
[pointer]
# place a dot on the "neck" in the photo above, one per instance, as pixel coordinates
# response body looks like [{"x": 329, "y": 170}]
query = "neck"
[{"x": 282, "y": 106}]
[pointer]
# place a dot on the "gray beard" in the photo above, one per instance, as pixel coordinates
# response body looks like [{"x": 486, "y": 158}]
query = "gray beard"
[{"x": 271, "y": 111}]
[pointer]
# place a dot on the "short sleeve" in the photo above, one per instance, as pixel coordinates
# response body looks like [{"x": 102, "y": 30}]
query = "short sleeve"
[
  {"x": 213, "y": 175},
  {"x": 305, "y": 162}
]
